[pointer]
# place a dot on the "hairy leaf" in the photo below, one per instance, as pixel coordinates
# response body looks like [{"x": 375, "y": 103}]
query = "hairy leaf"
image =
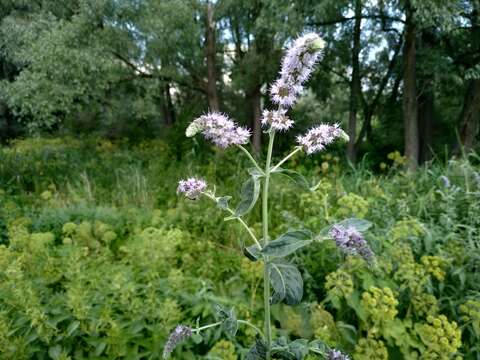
[
  {"x": 258, "y": 351},
  {"x": 249, "y": 194},
  {"x": 229, "y": 318},
  {"x": 252, "y": 252},
  {"x": 296, "y": 177},
  {"x": 288, "y": 243},
  {"x": 222, "y": 202},
  {"x": 287, "y": 283}
]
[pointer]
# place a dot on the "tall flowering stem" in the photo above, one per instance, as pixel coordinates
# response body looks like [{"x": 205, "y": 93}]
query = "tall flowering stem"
[
  {"x": 266, "y": 281},
  {"x": 282, "y": 279}
]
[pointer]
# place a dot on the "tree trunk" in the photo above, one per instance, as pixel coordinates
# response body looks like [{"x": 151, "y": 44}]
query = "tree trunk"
[
  {"x": 469, "y": 120},
  {"x": 167, "y": 106},
  {"x": 354, "y": 84},
  {"x": 425, "y": 120},
  {"x": 426, "y": 98},
  {"x": 410, "y": 93},
  {"x": 212, "y": 94},
  {"x": 256, "y": 110}
]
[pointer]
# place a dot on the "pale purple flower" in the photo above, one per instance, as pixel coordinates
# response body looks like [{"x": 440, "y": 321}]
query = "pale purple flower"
[
  {"x": 276, "y": 119},
  {"x": 297, "y": 66},
  {"x": 320, "y": 136},
  {"x": 284, "y": 93},
  {"x": 178, "y": 335},
  {"x": 351, "y": 241},
  {"x": 219, "y": 129},
  {"x": 192, "y": 188},
  {"x": 336, "y": 355},
  {"x": 301, "y": 58},
  {"x": 445, "y": 181}
]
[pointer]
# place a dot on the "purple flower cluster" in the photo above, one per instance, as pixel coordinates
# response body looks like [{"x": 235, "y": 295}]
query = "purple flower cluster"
[
  {"x": 297, "y": 65},
  {"x": 320, "y": 136},
  {"x": 277, "y": 120},
  {"x": 351, "y": 242},
  {"x": 178, "y": 335},
  {"x": 337, "y": 355},
  {"x": 219, "y": 129},
  {"x": 192, "y": 187}
]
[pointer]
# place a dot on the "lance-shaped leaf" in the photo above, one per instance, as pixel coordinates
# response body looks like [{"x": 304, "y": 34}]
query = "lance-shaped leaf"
[
  {"x": 249, "y": 194},
  {"x": 286, "y": 281},
  {"x": 288, "y": 243},
  {"x": 296, "y": 177},
  {"x": 258, "y": 351},
  {"x": 228, "y": 318}
]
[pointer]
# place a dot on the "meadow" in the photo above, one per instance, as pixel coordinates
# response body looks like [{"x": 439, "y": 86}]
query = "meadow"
[{"x": 100, "y": 259}]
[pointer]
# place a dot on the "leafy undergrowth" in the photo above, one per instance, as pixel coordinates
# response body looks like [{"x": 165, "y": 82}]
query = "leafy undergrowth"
[{"x": 100, "y": 259}]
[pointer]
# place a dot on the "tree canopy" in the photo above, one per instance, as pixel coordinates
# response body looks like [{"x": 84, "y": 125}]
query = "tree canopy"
[{"x": 398, "y": 74}]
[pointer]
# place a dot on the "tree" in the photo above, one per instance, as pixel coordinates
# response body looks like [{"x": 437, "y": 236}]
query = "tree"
[{"x": 410, "y": 121}]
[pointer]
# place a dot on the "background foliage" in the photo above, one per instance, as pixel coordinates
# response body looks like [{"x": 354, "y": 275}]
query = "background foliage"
[{"x": 104, "y": 260}]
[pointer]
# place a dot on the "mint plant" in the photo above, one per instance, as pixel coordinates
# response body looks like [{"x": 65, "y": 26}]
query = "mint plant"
[{"x": 282, "y": 279}]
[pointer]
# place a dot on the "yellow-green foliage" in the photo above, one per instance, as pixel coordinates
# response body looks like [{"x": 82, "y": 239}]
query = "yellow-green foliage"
[
  {"x": 369, "y": 349},
  {"x": 339, "y": 285},
  {"x": 441, "y": 337},
  {"x": 470, "y": 311},
  {"x": 223, "y": 350},
  {"x": 425, "y": 304},
  {"x": 63, "y": 295},
  {"x": 412, "y": 276},
  {"x": 380, "y": 305},
  {"x": 352, "y": 205},
  {"x": 435, "y": 266},
  {"x": 406, "y": 229},
  {"x": 323, "y": 326}
]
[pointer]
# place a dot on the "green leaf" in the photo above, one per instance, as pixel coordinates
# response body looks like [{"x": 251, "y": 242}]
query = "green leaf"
[
  {"x": 252, "y": 252},
  {"x": 359, "y": 224},
  {"x": 222, "y": 202},
  {"x": 288, "y": 243},
  {"x": 287, "y": 283},
  {"x": 318, "y": 346},
  {"x": 296, "y": 350},
  {"x": 55, "y": 351},
  {"x": 229, "y": 318},
  {"x": 249, "y": 194},
  {"x": 296, "y": 177},
  {"x": 72, "y": 327},
  {"x": 258, "y": 351}
]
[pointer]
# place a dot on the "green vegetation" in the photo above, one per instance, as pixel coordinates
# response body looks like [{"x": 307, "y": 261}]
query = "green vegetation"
[{"x": 100, "y": 259}]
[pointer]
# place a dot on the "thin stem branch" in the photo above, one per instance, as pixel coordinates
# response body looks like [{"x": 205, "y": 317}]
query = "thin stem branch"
[
  {"x": 266, "y": 280},
  {"x": 254, "y": 162},
  {"x": 197, "y": 330},
  {"x": 252, "y": 326},
  {"x": 297, "y": 149},
  {"x": 244, "y": 224}
]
